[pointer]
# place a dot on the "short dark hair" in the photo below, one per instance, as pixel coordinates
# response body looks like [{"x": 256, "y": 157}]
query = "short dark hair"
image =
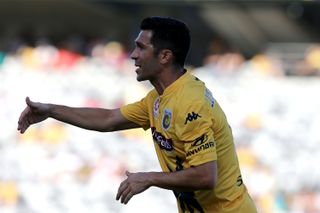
[{"x": 169, "y": 33}]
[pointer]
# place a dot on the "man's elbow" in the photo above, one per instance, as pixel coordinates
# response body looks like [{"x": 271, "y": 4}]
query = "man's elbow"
[
  {"x": 209, "y": 181},
  {"x": 209, "y": 175}
]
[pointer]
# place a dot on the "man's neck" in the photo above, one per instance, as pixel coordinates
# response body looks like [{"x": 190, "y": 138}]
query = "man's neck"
[{"x": 166, "y": 78}]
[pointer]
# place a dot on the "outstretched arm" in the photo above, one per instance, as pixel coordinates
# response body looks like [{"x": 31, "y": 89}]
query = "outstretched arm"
[
  {"x": 194, "y": 178},
  {"x": 98, "y": 119}
]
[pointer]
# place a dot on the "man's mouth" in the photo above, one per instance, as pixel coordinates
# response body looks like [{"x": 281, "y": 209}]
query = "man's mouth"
[{"x": 138, "y": 67}]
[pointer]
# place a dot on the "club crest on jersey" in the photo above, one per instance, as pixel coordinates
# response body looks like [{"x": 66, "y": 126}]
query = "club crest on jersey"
[
  {"x": 156, "y": 107},
  {"x": 166, "y": 119}
]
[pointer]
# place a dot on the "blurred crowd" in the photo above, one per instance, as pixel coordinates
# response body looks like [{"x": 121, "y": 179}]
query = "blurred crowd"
[{"x": 271, "y": 104}]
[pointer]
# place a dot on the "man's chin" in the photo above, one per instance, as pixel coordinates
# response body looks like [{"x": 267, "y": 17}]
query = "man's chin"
[{"x": 141, "y": 78}]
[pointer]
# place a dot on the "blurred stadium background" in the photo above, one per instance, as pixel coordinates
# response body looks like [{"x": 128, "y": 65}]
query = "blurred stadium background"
[{"x": 261, "y": 60}]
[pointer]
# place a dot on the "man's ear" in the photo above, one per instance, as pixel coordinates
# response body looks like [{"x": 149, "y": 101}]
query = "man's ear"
[{"x": 165, "y": 56}]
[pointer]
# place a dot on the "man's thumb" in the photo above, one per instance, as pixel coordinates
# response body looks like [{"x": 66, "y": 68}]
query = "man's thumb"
[{"x": 29, "y": 102}]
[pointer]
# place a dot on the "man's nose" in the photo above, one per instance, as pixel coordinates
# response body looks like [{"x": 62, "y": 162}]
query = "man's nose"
[{"x": 133, "y": 54}]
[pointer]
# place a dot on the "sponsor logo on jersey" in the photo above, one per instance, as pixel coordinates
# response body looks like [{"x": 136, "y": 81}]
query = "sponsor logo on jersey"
[
  {"x": 166, "y": 119},
  {"x": 162, "y": 141},
  {"x": 209, "y": 97},
  {"x": 200, "y": 140},
  {"x": 156, "y": 107},
  {"x": 191, "y": 117},
  {"x": 200, "y": 148}
]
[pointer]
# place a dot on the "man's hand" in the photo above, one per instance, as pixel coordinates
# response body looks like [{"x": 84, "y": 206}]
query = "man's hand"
[
  {"x": 134, "y": 184},
  {"x": 33, "y": 113}
]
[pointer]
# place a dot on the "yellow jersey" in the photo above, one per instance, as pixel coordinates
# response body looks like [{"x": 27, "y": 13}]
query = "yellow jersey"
[{"x": 189, "y": 128}]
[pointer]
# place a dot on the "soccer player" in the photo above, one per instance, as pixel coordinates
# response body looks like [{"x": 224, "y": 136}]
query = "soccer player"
[{"x": 191, "y": 135}]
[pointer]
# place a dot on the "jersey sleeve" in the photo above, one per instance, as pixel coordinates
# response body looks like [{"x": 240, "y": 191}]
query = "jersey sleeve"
[
  {"x": 137, "y": 112},
  {"x": 194, "y": 129}
]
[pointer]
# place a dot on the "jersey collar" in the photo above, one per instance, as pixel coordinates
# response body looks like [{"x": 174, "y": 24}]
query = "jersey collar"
[{"x": 177, "y": 84}]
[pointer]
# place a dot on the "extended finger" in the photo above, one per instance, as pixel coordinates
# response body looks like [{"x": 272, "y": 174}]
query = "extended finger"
[
  {"x": 24, "y": 127},
  {"x": 122, "y": 187},
  {"x": 125, "y": 194},
  {"x": 23, "y": 121},
  {"x": 21, "y": 127},
  {"x": 127, "y": 197},
  {"x": 23, "y": 115}
]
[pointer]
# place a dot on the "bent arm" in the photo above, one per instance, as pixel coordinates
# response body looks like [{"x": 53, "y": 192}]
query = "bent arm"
[
  {"x": 200, "y": 177},
  {"x": 194, "y": 178}
]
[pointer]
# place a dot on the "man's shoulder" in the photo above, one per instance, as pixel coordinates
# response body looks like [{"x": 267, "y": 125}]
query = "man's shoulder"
[
  {"x": 193, "y": 91},
  {"x": 152, "y": 93}
]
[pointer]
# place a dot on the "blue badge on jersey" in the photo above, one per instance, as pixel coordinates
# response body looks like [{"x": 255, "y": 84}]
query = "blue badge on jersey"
[{"x": 166, "y": 119}]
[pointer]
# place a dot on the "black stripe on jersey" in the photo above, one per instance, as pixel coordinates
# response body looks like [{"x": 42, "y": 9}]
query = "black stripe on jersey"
[{"x": 186, "y": 200}]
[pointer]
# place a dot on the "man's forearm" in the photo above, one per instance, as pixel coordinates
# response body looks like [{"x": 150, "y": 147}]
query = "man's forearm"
[
  {"x": 195, "y": 178},
  {"x": 87, "y": 118},
  {"x": 201, "y": 177}
]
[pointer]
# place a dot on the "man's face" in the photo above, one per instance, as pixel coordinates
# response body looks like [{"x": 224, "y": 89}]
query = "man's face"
[{"x": 143, "y": 55}]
